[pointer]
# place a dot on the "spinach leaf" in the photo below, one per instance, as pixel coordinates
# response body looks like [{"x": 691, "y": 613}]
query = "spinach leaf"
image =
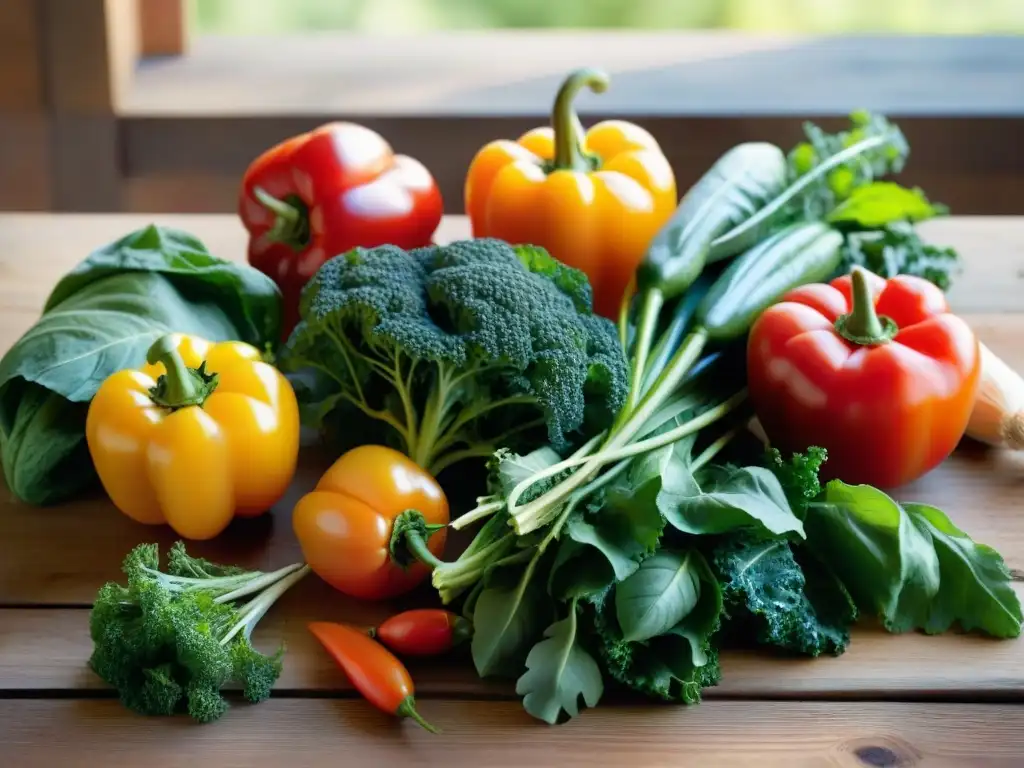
[
  {"x": 910, "y": 565},
  {"x": 974, "y": 587},
  {"x": 99, "y": 319},
  {"x": 733, "y": 498},
  {"x": 897, "y": 249},
  {"x": 507, "y": 620},
  {"x": 768, "y": 598},
  {"x": 661, "y": 594},
  {"x": 675, "y": 666},
  {"x": 559, "y": 672},
  {"x": 884, "y": 202}
]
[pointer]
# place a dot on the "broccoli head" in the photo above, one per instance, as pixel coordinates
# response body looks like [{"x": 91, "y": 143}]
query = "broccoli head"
[{"x": 448, "y": 352}]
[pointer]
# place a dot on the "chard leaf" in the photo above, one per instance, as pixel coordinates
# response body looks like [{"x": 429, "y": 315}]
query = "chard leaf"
[
  {"x": 507, "y": 620},
  {"x": 663, "y": 591},
  {"x": 559, "y": 672},
  {"x": 881, "y": 203},
  {"x": 733, "y": 498},
  {"x": 768, "y": 597},
  {"x": 974, "y": 587},
  {"x": 886, "y": 562}
]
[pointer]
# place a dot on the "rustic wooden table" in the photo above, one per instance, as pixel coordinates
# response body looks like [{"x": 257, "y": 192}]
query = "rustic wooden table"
[{"x": 889, "y": 701}]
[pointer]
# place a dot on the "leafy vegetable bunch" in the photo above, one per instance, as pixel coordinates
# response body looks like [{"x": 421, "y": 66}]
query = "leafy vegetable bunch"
[
  {"x": 170, "y": 641},
  {"x": 658, "y": 541}
]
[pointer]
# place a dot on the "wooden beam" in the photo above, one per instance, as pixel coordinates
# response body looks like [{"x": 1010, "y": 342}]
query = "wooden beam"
[
  {"x": 21, "y": 81},
  {"x": 162, "y": 25}
]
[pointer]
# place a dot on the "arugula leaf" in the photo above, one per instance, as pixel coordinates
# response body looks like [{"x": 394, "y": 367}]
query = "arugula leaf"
[
  {"x": 506, "y": 621},
  {"x": 881, "y": 203},
  {"x": 897, "y": 249},
  {"x": 768, "y": 598},
  {"x": 666, "y": 667},
  {"x": 559, "y": 672},
  {"x": 975, "y": 587},
  {"x": 662, "y": 593},
  {"x": 732, "y": 498},
  {"x": 910, "y": 565}
]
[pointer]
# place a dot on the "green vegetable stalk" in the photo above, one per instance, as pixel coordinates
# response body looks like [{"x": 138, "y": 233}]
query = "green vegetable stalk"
[{"x": 170, "y": 641}]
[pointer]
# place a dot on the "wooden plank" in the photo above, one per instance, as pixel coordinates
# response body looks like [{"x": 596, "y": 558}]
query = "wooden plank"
[
  {"x": 162, "y": 27},
  {"x": 961, "y": 162},
  {"x": 42, "y": 734},
  {"x": 86, "y": 159},
  {"x": 47, "y": 649},
  {"x": 667, "y": 72},
  {"x": 21, "y": 81}
]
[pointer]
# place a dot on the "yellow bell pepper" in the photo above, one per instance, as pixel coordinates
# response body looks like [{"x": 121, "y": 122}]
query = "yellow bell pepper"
[{"x": 201, "y": 433}]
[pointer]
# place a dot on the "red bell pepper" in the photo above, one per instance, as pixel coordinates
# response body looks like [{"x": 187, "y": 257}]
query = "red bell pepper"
[
  {"x": 877, "y": 372},
  {"x": 325, "y": 192}
]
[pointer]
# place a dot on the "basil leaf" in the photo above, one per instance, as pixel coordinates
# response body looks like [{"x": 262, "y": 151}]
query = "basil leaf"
[
  {"x": 662, "y": 592},
  {"x": 559, "y": 672},
  {"x": 974, "y": 587},
  {"x": 884, "y": 202},
  {"x": 100, "y": 318},
  {"x": 733, "y": 498}
]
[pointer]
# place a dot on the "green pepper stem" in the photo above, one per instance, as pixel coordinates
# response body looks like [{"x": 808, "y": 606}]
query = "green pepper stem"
[
  {"x": 569, "y": 153},
  {"x": 408, "y": 709},
  {"x": 291, "y": 220},
  {"x": 409, "y": 540},
  {"x": 863, "y": 325},
  {"x": 179, "y": 386}
]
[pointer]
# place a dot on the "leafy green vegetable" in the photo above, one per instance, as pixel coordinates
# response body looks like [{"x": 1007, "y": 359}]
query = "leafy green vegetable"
[
  {"x": 798, "y": 476},
  {"x": 768, "y": 597},
  {"x": 506, "y": 622},
  {"x": 100, "y": 318},
  {"x": 675, "y": 666},
  {"x": 660, "y": 594},
  {"x": 897, "y": 249},
  {"x": 731, "y": 498},
  {"x": 559, "y": 672},
  {"x": 910, "y": 565},
  {"x": 460, "y": 350},
  {"x": 881, "y": 203},
  {"x": 170, "y": 641}
]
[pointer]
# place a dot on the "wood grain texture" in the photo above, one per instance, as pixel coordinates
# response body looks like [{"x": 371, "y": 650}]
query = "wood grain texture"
[
  {"x": 49, "y": 648},
  {"x": 315, "y": 733}
]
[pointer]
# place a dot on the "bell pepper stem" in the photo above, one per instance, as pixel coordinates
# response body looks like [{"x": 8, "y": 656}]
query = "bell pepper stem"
[
  {"x": 408, "y": 709},
  {"x": 409, "y": 537},
  {"x": 863, "y": 325},
  {"x": 180, "y": 386},
  {"x": 291, "y": 220},
  {"x": 569, "y": 153}
]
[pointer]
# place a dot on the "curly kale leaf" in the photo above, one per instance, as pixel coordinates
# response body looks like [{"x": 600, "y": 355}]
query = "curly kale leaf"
[
  {"x": 768, "y": 594},
  {"x": 897, "y": 249},
  {"x": 458, "y": 350}
]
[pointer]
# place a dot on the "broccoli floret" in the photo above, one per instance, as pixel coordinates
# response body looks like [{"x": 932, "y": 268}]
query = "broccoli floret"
[
  {"x": 459, "y": 349},
  {"x": 169, "y": 642}
]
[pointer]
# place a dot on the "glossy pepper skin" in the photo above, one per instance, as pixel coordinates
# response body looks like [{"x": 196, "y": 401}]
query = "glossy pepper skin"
[
  {"x": 877, "y": 372},
  {"x": 594, "y": 200},
  {"x": 373, "y": 504},
  {"x": 325, "y": 192},
  {"x": 203, "y": 432},
  {"x": 423, "y": 632}
]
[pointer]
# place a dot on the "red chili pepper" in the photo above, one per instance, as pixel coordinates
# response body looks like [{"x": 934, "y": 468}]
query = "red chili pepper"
[
  {"x": 325, "y": 192},
  {"x": 374, "y": 671},
  {"x": 423, "y": 632},
  {"x": 877, "y": 372}
]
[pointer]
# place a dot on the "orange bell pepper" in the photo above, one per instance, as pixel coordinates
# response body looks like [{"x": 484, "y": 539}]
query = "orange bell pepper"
[
  {"x": 594, "y": 200},
  {"x": 200, "y": 434}
]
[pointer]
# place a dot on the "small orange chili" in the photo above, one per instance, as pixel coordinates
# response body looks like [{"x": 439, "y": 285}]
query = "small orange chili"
[
  {"x": 423, "y": 632},
  {"x": 375, "y": 672}
]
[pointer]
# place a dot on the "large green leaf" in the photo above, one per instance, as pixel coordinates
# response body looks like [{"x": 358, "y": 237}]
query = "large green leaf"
[{"x": 663, "y": 591}]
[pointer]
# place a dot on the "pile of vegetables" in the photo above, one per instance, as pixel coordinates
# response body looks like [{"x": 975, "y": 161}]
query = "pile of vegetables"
[{"x": 590, "y": 365}]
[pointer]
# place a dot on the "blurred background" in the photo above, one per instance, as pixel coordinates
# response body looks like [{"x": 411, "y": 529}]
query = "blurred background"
[
  {"x": 159, "y": 105},
  {"x": 242, "y": 17}
]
